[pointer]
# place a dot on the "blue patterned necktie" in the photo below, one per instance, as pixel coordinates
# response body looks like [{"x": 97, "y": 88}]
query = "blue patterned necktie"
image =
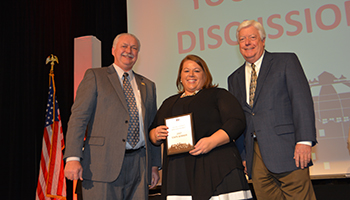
[
  {"x": 133, "y": 130},
  {"x": 252, "y": 86}
]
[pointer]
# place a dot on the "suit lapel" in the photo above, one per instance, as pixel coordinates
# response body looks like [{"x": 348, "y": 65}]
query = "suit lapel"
[
  {"x": 114, "y": 79},
  {"x": 240, "y": 87},
  {"x": 241, "y": 82},
  {"x": 264, "y": 71}
]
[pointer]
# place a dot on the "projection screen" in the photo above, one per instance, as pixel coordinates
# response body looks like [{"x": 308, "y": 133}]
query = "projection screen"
[{"x": 317, "y": 31}]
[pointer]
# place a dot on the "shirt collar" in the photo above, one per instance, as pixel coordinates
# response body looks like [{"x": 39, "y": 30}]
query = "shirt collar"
[
  {"x": 257, "y": 63},
  {"x": 120, "y": 72}
]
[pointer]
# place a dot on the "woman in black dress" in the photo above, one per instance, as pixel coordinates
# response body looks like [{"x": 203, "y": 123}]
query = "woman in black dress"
[{"x": 213, "y": 169}]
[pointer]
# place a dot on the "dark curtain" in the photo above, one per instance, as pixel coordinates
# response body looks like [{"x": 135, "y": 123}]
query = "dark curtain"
[{"x": 31, "y": 30}]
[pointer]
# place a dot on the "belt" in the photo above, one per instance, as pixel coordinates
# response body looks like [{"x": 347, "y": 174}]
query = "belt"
[{"x": 133, "y": 150}]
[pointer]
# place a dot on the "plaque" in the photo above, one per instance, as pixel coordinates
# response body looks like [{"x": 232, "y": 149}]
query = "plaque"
[{"x": 180, "y": 134}]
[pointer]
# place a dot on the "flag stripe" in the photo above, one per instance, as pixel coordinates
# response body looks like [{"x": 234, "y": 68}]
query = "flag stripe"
[
  {"x": 60, "y": 188},
  {"x": 52, "y": 179}
]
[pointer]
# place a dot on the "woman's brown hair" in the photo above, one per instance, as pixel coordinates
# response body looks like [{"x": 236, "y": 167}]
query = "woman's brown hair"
[{"x": 209, "y": 79}]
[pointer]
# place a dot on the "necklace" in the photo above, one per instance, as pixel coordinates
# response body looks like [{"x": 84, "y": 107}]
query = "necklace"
[{"x": 192, "y": 94}]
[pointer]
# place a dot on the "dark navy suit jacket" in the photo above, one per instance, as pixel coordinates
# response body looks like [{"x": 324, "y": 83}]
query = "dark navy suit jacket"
[{"x": 282, "y": 114}]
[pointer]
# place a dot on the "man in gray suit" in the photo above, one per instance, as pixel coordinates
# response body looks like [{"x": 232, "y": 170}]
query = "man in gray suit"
[
  {"x": 276, "y": 98},
  {"x": 109, "y": 164}
]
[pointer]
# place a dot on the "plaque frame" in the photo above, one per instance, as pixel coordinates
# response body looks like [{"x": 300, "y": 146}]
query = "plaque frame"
[{"x": 180, "y": 134}]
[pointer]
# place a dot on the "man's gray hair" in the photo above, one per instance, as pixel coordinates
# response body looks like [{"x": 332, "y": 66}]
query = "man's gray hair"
[
  {"x": 253, "y": 23},
  {"x": 121, "y": 34}
]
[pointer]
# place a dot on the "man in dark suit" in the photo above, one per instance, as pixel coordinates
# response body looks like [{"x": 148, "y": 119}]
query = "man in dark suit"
[
  {"x": 276, "y": 98},
  {"x": 110, "y": 165}
]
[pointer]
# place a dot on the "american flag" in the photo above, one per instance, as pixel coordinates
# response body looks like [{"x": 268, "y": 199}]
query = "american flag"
[{"x": 51, "y": 181}]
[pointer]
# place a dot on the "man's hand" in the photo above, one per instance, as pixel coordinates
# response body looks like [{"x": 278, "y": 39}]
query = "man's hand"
[
  {"x": 302, "y": 155},
  {"x": 245, "y": 166},
  {"x": 155, "y": 177},
  {"x": 73, "y": 170}
]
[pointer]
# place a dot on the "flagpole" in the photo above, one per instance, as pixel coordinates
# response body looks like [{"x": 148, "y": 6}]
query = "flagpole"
[
  {"x": 52, "y": 59},
  {"x": 51, "y": 81},
  {"x": 51, "y": 181}
]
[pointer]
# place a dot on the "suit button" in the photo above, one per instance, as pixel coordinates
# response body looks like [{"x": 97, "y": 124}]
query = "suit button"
[
  {"x": 253, "y": 114},
  {"x": 126, "y": 121},
  {"x": 123, "y": 140}
]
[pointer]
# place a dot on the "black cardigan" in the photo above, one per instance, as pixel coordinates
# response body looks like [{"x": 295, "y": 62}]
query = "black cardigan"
[{"x": 212, "y": 109}]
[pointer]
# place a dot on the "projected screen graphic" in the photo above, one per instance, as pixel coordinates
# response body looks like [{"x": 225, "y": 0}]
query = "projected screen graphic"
[{"x": 317, "y": 31}]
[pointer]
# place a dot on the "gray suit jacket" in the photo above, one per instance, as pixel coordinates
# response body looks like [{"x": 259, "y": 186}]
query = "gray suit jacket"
[
  {"x": 100, "y": 109},
  {"x": 282, "y": 114}
]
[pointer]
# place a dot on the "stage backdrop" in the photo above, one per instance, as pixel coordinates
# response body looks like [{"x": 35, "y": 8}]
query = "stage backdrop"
[{"x": 317, "y": 31}]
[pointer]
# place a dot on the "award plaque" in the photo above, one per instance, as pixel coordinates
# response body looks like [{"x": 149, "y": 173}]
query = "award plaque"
[{"x": 180, "y": 134}]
